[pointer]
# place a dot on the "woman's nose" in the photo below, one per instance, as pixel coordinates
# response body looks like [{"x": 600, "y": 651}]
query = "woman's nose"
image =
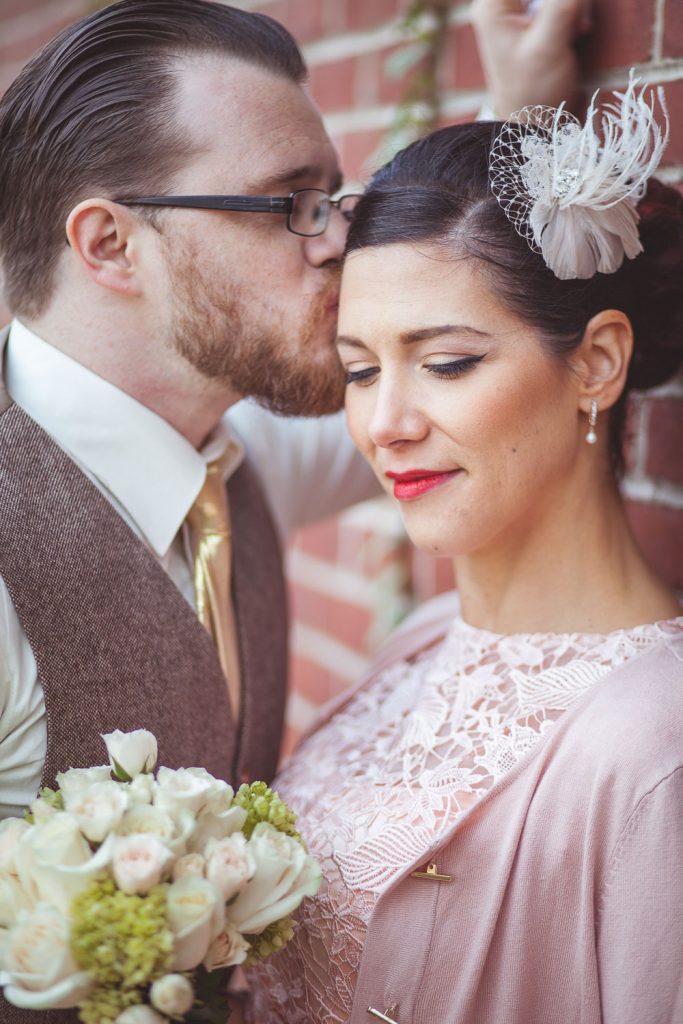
[{"x": 395, "y": 418}]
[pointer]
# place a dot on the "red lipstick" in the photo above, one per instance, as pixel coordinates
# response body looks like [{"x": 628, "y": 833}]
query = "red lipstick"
[{"x": 418, "y": 481}]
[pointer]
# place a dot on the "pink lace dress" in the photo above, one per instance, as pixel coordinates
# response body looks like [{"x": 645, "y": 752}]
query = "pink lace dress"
[{"x": 414, "y": 747}]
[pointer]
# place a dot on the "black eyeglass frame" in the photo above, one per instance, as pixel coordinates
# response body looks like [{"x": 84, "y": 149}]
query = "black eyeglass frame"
[{"x": 243, "y": 204}]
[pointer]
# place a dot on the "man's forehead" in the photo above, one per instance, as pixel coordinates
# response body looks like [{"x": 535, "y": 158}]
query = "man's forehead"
[{"x": 261, "y": 124}]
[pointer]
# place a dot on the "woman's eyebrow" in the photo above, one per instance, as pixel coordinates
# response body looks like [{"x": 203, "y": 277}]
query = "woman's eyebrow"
[
  {"x": 427, "y": 333},
  {"x": 421, "y": 334}
]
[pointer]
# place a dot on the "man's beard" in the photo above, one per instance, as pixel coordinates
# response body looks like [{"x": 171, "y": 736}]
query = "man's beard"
[{"x": 235, "y": 340}]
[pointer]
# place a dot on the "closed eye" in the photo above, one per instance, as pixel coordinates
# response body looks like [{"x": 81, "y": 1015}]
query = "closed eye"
[
  {"x": 455, "y": 368},
  {"x": 357, "y": 376}
]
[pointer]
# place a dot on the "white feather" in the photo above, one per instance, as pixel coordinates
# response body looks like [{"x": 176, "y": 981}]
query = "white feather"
[{"x": 571, "y": 190}]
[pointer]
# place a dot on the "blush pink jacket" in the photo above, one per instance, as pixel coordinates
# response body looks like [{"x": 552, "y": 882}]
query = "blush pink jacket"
[{"x": 565, "y": 904}]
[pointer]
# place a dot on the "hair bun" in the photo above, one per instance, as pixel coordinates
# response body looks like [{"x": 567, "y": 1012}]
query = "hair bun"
[{"x": 658, "y": 273}]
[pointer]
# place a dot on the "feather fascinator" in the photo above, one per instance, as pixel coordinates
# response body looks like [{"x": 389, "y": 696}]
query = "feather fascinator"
[{"x": 572, "y": 191}]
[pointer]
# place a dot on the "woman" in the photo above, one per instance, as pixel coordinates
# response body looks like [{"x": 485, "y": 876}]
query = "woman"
[{"x": 499, "y": 809}]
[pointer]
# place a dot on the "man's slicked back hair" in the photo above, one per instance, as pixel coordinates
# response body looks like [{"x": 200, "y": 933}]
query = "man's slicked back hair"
[{"x": 93, "y": 113}]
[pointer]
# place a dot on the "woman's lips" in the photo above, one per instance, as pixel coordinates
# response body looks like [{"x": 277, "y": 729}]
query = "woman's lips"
[{"x": 418, "y": 481}]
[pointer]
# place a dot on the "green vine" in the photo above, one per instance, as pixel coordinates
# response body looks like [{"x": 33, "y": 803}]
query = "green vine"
[{"x": 424, "y": 26}]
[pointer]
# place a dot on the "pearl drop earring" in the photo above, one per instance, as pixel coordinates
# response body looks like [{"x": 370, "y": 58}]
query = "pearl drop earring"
[{"x": 591, "y": 436}]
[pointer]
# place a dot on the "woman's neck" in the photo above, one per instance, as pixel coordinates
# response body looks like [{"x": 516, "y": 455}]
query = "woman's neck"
[{"x": 578, "y": 570}]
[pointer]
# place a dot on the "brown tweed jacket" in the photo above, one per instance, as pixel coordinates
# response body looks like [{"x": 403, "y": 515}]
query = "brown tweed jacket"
[{"x": 116, "y": 644}]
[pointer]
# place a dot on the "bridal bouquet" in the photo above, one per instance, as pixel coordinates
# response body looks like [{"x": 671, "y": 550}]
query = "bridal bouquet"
[{"x": 128, "y": 896}]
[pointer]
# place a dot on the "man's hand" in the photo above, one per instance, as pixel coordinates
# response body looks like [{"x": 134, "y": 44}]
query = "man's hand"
[{"x": 529, "y": 58}]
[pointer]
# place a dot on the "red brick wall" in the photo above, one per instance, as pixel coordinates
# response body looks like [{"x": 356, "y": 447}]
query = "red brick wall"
[{"x": 353, "y": 578}]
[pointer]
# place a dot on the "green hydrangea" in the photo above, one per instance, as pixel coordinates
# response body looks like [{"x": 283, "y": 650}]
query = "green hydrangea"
[
  {"x": 273, "y": 938},
  {"x": 123, "y": 942},
  {"x": 262, "y": 804}
]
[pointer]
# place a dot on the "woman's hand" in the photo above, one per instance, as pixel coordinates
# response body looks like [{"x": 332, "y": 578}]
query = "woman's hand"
[{"x": 529, "y": 58}]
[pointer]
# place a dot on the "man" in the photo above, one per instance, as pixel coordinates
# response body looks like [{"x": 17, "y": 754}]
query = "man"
[{"x": 137, "y": 325}]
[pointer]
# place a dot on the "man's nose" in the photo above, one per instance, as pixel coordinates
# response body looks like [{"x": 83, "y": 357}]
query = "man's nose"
[{"x": 329, "y": 246}]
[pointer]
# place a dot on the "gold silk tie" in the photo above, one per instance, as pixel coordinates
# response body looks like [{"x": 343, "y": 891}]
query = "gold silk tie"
[{"x": 209, "y": 522}]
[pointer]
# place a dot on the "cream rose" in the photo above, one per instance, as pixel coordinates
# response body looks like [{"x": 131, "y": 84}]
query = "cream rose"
[
  {"x": 140, "y": 1015},
  {"x": 13, "y": 898},
  {"x": 139, "y": 863},
  {"x": 216, "y": 826},
  {"x": 76, "y": 780},
  {"x": 229, "y": 864},
  {"x": 189, "y": 864},
  {"x": 146, "y": 819},
  {"x": 196, "y": 915},
  {"x": 98, "y": 809},
  {"x": 183, "y": 789},
  {"x": 227, "y": 950},
  {"x": 55, "y": 862},
  {"x": 40, "y": 972},
  {"x": 284, "y": 875},
  {"x": 173, "y": 994},
  {"x": 11, "y": 831},
  {"x": 141, "y": 790},
  {"x": 131, "y": 753}
]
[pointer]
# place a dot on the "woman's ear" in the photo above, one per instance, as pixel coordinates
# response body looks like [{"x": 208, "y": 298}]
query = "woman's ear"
[
  {"x": 102, "y": 236},
  {"x": 602, "y": 359}
]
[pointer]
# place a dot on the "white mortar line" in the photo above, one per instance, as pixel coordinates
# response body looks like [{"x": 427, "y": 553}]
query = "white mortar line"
[
  {"x": 353, "y": 44},
  {"x": 380, "y": 118},
  {"x": 327, "y": 653},
  {"x": 653, "y": 492},
  {"x": 651, "y": 73},
  {"x": 658, "y": 30},
  {"x": 671, "y": 175},
  {"x": 328, "y": 579},
  {"x": 301, "y": 711},
  {"x": 379, "y": 515}
]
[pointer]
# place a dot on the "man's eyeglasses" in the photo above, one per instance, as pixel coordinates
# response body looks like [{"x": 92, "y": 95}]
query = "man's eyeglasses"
[{"x": 307, "y": 210}]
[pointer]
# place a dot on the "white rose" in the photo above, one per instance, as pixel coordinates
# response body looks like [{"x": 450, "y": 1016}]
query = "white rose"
[
  {"x": 284, "y": 875},
  {"x": 173, "y": 994},
  {"x": 216, "y": 826},
  {"x": 229, "y": 864},
  {"x": 139, "y": 862},
  {"x": 98, "y": 809},
  {"x": 141, "y": 790},
  {"x": 189, "y": 864},
  {"x": 220, "y": 794},
  {"x": 42, "y": 810},
  {"x": 40, "y": 972},
  {"x": 13, "y": 898},
  {"x": 11, "y": 831},
  {"x": 227, "y": 950},
  {"x": 183, "y": 789},
  {"x": 140, "y": 1015},
  {"x": 150, "y": 820},
  {"x": 196, "y": 915},
  {"x": 76, "y": 780},
  {"x": 55, "y": 862},
  {"x": 131, "y": 753}
]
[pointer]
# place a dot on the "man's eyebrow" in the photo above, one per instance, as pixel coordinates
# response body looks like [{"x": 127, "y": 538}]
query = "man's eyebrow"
[
  {"x": 421, "y": 334},
  {"x": 294, "y": 176}
]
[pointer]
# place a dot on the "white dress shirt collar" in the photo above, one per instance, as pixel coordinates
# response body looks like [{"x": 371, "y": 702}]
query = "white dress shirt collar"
[{"x": 150, "y": 470}]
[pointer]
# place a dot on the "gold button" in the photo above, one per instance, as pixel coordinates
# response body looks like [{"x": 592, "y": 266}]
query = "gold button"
[
  {"x": 433, "y": 873},
  {"x": 383, "y": 1016}
]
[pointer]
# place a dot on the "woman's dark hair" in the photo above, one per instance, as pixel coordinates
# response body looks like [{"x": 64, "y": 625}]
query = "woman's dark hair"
[
  {"x": 437, "y": 192},
  {"x": 94, "y": 111}
]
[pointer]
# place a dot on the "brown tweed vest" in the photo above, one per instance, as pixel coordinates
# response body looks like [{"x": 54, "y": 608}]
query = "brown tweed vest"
[{"x": 116, "y": 644}]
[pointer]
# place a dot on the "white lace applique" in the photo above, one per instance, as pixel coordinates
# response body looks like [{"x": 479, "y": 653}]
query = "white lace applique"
[{"x": 378, "y": 785}]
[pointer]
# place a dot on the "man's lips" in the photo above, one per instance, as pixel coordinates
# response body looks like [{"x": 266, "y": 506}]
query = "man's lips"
[{"x": 418, "y": 481}]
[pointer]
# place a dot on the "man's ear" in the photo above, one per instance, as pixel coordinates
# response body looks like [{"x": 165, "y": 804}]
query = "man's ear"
[
  {"x": 601, "y": 361},
  {"x": 103, "y": 238}
]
